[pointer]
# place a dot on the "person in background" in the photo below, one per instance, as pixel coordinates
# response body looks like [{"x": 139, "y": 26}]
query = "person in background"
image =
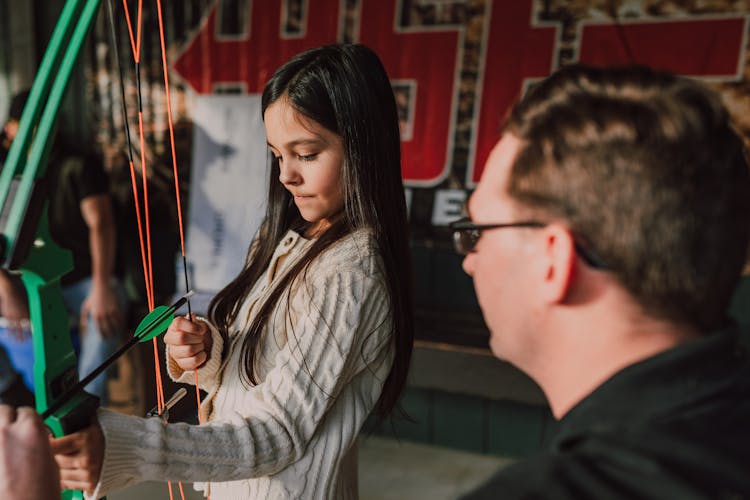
[
  {"x": 605, "y": 239},
  {"x": 14, "y": 309},
  {"x": 80, "y": 220},
  {"x": 14, "y": 313}
]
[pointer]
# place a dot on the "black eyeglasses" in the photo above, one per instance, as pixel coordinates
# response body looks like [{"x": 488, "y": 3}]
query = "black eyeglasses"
[{"x": 466, "y": 234}]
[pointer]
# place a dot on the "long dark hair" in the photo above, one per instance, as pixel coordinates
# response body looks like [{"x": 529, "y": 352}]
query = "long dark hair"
[{"x": 345, "y": 89}]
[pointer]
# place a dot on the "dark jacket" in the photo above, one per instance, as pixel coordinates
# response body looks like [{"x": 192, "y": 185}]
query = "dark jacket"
[{"x": 676, "y": 425}]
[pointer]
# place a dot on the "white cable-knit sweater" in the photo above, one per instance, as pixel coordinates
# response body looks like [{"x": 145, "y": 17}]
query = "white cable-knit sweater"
[{"x": 325, "y": 355}]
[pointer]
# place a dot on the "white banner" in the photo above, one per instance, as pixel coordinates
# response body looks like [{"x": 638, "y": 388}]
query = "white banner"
[{"x": 227, "y": 188}]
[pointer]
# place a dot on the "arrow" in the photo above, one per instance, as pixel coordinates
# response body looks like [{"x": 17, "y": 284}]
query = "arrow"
[{"x": 154, "y": 324}]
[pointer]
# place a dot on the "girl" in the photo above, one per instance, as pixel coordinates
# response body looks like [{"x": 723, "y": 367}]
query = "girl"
[{"x": 314, "y": 333}]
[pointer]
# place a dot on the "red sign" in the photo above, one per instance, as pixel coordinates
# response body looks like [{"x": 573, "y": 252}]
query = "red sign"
[
  {"x": 426, "y": 59},
  {"x": 213, "y": 59},
  {"x": 710, "y": 47},
  {"x": 516, "y": 50},
  {"x": 425, "y": 63}
]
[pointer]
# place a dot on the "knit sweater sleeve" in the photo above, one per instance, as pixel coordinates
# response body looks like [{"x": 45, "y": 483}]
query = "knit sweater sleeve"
[{"x": 341, "y": 322}]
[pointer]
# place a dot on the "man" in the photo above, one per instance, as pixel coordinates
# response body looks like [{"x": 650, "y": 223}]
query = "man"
[
  {"x": 10, "y": 127},
  {"x": 81, "y": 220},
  {"x": 605, "y": 239},
  {"x": 27, "y": 469}
]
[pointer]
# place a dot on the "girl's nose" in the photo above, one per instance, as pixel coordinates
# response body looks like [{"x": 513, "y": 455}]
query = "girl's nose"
[{"x": 288, "y": 175}]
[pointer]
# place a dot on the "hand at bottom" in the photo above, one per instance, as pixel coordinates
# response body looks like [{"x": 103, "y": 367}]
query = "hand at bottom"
[
  {"x": 80, "y": 456},
  {"x": 27, "y": 469}
]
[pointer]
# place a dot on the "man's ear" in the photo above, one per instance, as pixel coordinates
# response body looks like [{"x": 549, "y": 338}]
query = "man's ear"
[{"x": 559, "y": 257}]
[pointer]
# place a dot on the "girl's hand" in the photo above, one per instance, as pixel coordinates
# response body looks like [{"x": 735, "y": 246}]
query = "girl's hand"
[
  {"x": 80, "y": 457},
  {"x": 189, "y": 342}
]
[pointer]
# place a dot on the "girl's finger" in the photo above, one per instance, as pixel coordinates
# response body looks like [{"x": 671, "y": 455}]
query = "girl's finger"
[
  {"x": 66, "y": 445},
  {"x": 81, "y": 476},
  {"x": 192, "y": 363},
  {"x": 182, "y": 338},
  {"x": 185, "y": 325}
]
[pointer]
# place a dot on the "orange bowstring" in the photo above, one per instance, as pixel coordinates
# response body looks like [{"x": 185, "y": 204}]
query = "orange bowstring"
[
  {"x": 171, "y": 126},
  {"x": 144, "y": 179},
  {"x": 165, "y": 71},
  {"x": 136, "y": 46},
  {"x": 146, "y": 255},
  {"x": 140, "y": 231}
]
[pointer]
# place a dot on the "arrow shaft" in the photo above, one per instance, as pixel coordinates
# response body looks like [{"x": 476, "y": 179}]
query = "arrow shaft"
[{"x": 67, "y": 395}]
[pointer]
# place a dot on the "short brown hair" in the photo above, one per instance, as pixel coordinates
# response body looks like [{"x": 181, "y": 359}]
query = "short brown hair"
[{"x": 648, "y": 172}]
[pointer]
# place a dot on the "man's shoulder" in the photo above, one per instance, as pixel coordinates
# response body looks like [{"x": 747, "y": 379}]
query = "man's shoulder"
[
  {"x": 651, "y": 461},
  {"x": 540, "y": 476},
  {"x": 552, "y": 476}
]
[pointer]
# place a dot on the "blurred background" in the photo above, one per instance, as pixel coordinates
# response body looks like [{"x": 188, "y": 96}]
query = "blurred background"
[{"x": 456, "y": 68}]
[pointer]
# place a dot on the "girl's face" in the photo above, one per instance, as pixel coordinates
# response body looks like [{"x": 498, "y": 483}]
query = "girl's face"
[{"x": 310, "y": 161}]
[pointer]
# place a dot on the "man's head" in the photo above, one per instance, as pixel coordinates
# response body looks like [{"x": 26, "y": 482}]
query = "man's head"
[
  {"x": 639, "y": 168},
  {"x": 14, "y": 114}
]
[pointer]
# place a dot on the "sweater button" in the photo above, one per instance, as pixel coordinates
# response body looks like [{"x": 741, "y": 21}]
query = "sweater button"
[{"x": 288, "y": 241}]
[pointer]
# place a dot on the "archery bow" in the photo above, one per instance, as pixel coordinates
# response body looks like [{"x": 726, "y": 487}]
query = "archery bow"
[{"x": 26, "y": 245}]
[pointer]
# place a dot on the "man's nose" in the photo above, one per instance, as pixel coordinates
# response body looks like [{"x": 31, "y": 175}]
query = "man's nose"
[{"x": 469, "y": 263}]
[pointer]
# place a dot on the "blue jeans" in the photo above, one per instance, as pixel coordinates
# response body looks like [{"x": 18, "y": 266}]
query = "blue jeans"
[{"x": 95, "y": 348}]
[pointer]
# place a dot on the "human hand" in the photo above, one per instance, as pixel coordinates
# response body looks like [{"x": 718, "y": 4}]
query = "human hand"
[
  {"x": 80, "y": 457},
  {"x": 102, "y": 306},
  {"x": 27, "y": 469},
  {"x": 13, "y": 306},
  {"x": 189, "y": 342}
]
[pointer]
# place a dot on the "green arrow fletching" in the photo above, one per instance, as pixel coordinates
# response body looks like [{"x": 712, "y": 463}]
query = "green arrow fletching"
[{"x": 155, "y": 323}]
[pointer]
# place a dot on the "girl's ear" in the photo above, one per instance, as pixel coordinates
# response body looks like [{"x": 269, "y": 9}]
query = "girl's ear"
[{"x": 559, "y": 256}]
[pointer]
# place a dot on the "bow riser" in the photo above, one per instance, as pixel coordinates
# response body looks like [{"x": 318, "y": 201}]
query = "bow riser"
[{"x": 26, "y": 243}]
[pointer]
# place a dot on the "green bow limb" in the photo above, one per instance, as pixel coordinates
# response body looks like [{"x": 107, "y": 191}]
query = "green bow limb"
[{"x": 26, "y": 245}]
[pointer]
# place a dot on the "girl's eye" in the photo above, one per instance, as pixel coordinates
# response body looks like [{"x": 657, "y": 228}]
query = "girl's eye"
[{"x": 307, "y": 157}]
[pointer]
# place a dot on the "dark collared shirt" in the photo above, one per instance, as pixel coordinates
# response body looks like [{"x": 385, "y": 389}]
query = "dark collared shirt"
[
  {"x": 675, "y": 425},
  {"x": 72, "y": 179}
]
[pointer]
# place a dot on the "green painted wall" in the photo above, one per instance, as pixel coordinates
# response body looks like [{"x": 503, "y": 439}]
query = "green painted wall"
[{"x": 498, "y": 427}]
